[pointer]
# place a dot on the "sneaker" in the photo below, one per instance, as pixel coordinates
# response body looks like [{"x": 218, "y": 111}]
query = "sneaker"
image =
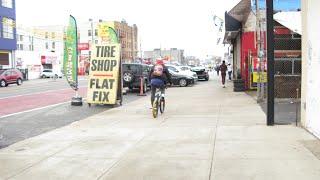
[{"x": 224, "y": 86}]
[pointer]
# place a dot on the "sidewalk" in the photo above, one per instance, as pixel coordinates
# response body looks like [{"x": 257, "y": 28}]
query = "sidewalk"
[{"x": 207, "y": 132}]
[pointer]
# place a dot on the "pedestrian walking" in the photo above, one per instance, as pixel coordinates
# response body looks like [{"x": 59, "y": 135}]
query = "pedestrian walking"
[
  {"x": 223, "y": 68},
  {"x": 217, "y": 69},
  {"x": 229, "y": 71}
]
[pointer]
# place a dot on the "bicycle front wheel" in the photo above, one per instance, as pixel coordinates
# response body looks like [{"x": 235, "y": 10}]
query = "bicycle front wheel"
[
  {"x": 155, "y": 109},
  {"x": 162, "y": 105}
]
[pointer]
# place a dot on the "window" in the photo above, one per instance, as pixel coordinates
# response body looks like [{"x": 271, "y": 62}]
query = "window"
[
  {"x": 89, "y": 33},
  {"x": 8, "y": 25},
  {"x": 53, "y": 35},
  {"x": 172, "y": 68},
  {"x": 47, "y": 45},
  {"x": 21, "y": 37},
  {"x": 96, "y": 41},
  {"x": 7, "y": 73},
  {"x": 30, "y": 47},
  {"x": 20, "y": 46},
  {"x": 131, "y": 68},
  {"x": 4, "y": 58},
  {"x": 53, "y": 45},
  {"x": 7, "y": 3},
  {"x": 96, "y": 32},
  {"x": 46, "y": 35},
  {"x": 14, "y": 73},
  {"x": 185, "y": 68}
]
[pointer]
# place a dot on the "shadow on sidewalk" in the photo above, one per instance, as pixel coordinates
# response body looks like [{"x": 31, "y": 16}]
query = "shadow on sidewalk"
[{"x": 287, "y": 111}]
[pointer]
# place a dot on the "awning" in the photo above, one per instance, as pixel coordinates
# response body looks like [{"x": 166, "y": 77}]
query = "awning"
[
  {"x": 241, "y": 11},
  {"x": 291, "y": 20},
  {"x": 232, "y": 28},
  {"x": 234, "y": 19}
]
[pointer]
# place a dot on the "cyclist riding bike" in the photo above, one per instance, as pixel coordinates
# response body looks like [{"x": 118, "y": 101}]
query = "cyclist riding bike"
[{"x": 159, "y": 76}]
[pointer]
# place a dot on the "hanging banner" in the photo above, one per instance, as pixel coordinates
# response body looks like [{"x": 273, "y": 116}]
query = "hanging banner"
[
  {"x": 70, "y": 59},
  {"x": 104, "y": 74}
]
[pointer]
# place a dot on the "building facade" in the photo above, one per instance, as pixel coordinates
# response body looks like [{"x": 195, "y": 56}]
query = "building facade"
[
  {"x": 39, "y": 48},
  {"x": 241, "y": 32},
  {"x": 128, "y": 37},
  {"x": 172, "y": 55},
  {"x": 7, "y": 33},
  {"x": 192, "y": 61},
  {"x": 310, "y": 98}
]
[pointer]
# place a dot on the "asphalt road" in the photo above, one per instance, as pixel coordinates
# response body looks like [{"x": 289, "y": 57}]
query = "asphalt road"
[
  {"x": 37, "y": 86},
  {"x": 39, "y": 106}
]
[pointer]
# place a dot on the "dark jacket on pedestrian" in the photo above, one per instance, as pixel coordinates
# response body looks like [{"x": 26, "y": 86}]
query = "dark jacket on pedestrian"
[
  {"x": 166, "y": 77},
  {"x": 223, "y": 68}
]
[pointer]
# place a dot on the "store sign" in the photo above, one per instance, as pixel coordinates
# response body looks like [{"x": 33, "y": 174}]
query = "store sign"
[
  {"x": 106, "y": 32},
  {"x": 83, "y": 46},
  {"x": 49, "y": 59},
  {"x": 104, "y": 74},
  {"x": 256, "y": 78}
]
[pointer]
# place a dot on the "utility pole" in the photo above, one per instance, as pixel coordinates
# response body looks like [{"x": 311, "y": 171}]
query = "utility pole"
[
  {"x": 259, "y": 83},
  {"x": 92, "y": 38},
  {"x": 270, "y": 56}
]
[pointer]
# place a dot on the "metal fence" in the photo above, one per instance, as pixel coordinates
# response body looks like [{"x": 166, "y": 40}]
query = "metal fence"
[{"x": 287, "y": 65}]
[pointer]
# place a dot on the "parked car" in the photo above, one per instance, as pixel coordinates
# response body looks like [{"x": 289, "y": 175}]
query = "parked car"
[
  {"x": 182, "y": 71},
  {"x": 132, "y": 73},
  {"x": 188, "y": 71},
  {"x": 49, "y": 73},
  {"x": 202, "y": 73},
  {"x": 180, "y": 79},
  {"x": 10, "y": 76}
]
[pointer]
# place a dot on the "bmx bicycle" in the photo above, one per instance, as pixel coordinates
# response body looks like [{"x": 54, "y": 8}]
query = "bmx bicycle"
[{"x": 158, "y": 103}]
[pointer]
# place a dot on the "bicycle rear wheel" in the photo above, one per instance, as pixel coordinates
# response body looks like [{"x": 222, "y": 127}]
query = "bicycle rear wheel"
[
  {"x": 162, "y": 105},
  {"x": 155, "y": 109}
]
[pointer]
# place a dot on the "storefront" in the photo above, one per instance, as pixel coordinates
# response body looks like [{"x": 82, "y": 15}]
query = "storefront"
[
  {"x": 5, "y": 59},
  {"x": 248, "y": 44}
]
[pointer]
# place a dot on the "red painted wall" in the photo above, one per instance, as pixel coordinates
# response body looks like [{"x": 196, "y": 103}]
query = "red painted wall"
[{"x": 248, "y": 44}]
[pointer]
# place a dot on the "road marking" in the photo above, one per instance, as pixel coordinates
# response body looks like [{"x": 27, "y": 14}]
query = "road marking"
[
  {"x": 37, "y": 93},
  {"x": 36, "y": 109}
]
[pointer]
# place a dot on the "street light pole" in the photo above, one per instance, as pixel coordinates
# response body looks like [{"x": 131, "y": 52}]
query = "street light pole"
[
  {"x": 270, "y": 56},
  {"x": 92, "y": 33}
]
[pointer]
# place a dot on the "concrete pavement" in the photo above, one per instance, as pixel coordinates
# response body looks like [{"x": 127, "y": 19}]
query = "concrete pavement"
[{"x": 207, "y": 132}]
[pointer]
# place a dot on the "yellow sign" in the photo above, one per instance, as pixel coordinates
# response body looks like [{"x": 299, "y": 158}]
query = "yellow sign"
[
  {"x": 255, "y": 77},
  {"x": 104, "y": 31},
  {"x": 104, "y": 74}
]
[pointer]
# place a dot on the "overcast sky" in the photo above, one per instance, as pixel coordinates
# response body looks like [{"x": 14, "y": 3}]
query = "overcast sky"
[{"x": 170, "y": 23}]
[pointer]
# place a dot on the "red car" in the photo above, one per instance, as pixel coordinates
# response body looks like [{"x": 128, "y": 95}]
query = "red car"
[{"x": 10, "y": 76}]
